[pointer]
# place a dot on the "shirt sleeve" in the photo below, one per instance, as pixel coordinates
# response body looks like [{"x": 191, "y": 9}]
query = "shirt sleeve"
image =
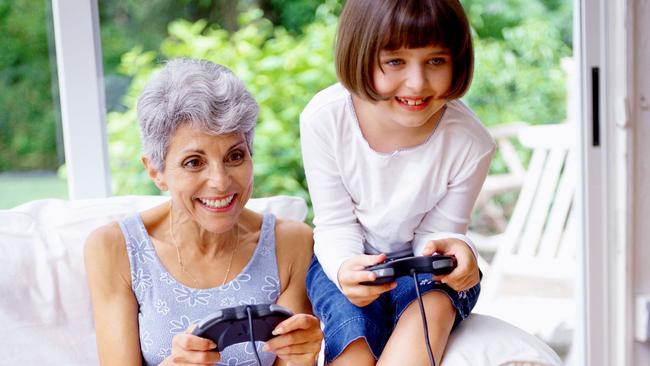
[
  {"x": 337, "y": 233},
  {"x": 450, "y": 218}
]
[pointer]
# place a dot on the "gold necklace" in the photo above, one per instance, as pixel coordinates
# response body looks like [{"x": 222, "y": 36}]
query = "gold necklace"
[{"x": 180, "y": 258}]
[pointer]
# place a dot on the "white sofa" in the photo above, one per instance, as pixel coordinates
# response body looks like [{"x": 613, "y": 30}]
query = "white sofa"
[{"x": 45, "y": 312}]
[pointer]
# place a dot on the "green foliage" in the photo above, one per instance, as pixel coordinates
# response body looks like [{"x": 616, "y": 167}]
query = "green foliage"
[
  {"x": 291, "y": 14},
  {"x": 517, "y": 78},
  {"x": 519, "y": 45},
  {"x": 282, "y": 71},
  {"x": 28, "y": 122},
  {"x": 520, "y": 78},
  {"x": 283, "y": 54}
]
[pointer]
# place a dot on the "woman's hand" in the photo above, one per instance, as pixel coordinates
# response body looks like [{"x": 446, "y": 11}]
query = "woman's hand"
[
  {"x": 297, "y": 340},
  {"x": 352, "y": 272},
  {"x": 466, "y": 274},
  {"x": 188, "y": 349}
]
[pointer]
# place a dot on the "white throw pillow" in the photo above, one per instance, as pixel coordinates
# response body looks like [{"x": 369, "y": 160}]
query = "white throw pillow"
[{"x": 484, "y": 340}]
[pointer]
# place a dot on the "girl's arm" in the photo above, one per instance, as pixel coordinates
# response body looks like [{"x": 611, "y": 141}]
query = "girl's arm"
[
  {"x": 298, "y": 338},
  {"x": 451, "y": 216},
  {"x": 337, "y": 234},
  {"x": 442, "y": 229},
  {"x": 115, "y": 308}
]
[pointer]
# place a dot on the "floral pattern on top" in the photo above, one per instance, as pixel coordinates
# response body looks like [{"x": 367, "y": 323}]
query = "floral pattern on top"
[{"x": 167, "y": 307}]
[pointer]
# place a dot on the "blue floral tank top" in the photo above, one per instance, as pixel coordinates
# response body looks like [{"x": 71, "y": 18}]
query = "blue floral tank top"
[{"x": 167, "y": 307}]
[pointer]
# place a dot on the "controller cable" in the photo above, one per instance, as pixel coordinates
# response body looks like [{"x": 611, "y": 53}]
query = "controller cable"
[
  {"x": 252, "y": 335},
  {"x": 424, "y": 317}
]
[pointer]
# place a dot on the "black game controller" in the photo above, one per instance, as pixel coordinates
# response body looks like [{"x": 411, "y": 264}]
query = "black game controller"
[
  {"x": 230, "y": 326},
  {"x": 390, "y": 271}
]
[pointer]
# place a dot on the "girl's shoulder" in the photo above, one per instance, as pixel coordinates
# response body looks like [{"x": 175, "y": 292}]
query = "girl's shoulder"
[
  {"x": 333, "y": 98},
  {"x": 460, "y": 123}
]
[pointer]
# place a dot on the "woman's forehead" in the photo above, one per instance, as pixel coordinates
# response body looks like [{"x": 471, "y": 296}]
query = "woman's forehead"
[{"x": 191, "y": 137}]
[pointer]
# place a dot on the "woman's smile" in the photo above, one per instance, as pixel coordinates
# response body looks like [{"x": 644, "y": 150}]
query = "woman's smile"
[{"x": 218, "y": 204}]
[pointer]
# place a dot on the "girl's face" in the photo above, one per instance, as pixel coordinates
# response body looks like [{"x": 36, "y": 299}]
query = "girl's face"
[
  {"x": 210, "y": 177},
  {"x": 413, "y": 80}
]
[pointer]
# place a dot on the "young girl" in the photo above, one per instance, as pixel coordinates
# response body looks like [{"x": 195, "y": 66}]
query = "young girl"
[{"x": 394, "y": 162}]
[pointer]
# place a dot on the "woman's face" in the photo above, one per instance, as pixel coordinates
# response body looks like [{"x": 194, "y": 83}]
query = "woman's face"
[{"x": 209, "y": 176}]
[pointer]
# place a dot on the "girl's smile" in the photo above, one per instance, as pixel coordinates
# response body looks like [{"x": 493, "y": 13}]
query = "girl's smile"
[
  {"x": 412, "y": 80},
  {"x": 413, "y": 103}
]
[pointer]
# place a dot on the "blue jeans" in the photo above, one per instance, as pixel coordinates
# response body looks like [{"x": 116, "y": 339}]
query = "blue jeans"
[{"x": 345, "y": 322}]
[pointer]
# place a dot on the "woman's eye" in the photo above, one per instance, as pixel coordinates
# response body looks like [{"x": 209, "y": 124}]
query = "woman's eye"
[
  {"x": 236, "y": 156},
  {"x": 192, "y": 163}
]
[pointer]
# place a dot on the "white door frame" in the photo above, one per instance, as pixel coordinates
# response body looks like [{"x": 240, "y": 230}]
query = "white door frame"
[
  {"x": 604, "y": 286},
  {"x": 602, "y": 35},
  {"x": 81, "y": 85}
]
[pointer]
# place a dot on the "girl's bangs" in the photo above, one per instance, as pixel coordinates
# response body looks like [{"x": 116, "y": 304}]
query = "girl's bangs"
[{"x": 415, "y": 28}]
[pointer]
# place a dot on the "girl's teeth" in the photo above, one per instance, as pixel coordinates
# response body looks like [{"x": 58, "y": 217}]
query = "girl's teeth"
[{"x": 411, "y": 102}]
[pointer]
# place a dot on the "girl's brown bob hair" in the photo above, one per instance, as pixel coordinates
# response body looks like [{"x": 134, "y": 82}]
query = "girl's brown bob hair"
[{"x": 366, "y": 27}]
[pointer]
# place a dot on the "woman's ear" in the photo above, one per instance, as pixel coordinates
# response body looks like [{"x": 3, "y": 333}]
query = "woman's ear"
[{"x": 156, "y": 176}]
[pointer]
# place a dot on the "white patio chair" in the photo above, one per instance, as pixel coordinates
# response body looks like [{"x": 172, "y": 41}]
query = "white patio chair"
[{"x": 529, "y": 281}]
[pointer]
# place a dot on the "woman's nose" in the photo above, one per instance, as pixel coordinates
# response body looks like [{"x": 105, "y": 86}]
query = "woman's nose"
[{"x": 219, "y": 178}]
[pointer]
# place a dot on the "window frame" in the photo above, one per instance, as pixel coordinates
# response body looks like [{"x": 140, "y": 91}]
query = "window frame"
[{"x": 83, "y": 109}]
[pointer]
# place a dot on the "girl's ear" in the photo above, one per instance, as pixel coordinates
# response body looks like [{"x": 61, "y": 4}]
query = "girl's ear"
[{"x": 156, "y": 176}]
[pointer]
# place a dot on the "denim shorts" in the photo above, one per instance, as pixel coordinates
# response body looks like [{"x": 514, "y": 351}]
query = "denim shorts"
[{"x": 345, "y": 322}]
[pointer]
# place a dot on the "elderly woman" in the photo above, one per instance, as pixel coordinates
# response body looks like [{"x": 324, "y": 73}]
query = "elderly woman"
[{"x": 156, "y": 273}]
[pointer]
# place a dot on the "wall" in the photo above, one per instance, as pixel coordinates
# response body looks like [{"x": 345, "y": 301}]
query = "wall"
[{"x": 640, "y": 103}]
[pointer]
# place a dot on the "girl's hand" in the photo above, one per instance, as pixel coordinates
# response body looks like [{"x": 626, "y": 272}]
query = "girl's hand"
[
  {"x": 188, "y": 349},
  {"x": 298, "y": 340},
  {"x": 466, "y": 274},
  {"x": 352, "y": 272}
]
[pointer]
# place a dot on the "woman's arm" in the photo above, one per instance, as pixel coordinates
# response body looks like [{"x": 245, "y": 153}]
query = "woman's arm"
[
  {"x": 298, "y": 338},
  {"x": 114, "y": 305}
]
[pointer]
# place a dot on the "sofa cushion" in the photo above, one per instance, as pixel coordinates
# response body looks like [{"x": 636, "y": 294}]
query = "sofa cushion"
[
  {"x": 45, "y": 308},
  {"x": 44, "y": 303}
]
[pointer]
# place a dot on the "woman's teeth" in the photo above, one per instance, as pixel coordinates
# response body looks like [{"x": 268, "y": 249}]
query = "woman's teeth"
[{"x": 217, "y": 203}]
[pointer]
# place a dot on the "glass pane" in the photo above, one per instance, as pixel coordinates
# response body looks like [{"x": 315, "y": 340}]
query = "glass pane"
[
  {"x": 293, "y": 65},
  {"x": 282, "y": 49},
  {"x": 524, "y": 221},
  {"x": 31, "y": 147}
]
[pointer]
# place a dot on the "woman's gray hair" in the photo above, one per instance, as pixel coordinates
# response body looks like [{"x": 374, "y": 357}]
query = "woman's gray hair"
[{"x": 207, "y": 95}]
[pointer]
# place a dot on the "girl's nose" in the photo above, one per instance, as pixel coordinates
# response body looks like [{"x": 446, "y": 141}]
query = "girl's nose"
[
  {"x": 219, "y": 178},
  {"x": 416, "y": 78}
]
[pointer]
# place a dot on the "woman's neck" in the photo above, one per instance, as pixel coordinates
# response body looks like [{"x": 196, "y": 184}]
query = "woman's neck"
[{"x": 203, "y": 242}]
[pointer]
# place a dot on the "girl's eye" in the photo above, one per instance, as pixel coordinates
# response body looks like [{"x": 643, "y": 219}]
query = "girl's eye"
[
  {"x": 394, "y": 62},
  {"x": 437, "y": 61},
  {"x": 192, "y": 163}
]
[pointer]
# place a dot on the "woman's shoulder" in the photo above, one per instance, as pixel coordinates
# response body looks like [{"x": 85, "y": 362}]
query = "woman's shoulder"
[
  {"x": 106, "y": 239},
  {"x": 293, "y": 237},
  {"x": 106, "y": 256}
]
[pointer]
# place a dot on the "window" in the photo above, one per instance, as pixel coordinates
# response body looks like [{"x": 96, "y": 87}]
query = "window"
[{"x": 31, "y": 143}]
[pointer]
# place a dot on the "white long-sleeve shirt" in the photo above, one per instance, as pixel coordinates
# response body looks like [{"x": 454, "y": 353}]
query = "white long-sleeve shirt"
[{"x": 370, "y": 202}]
